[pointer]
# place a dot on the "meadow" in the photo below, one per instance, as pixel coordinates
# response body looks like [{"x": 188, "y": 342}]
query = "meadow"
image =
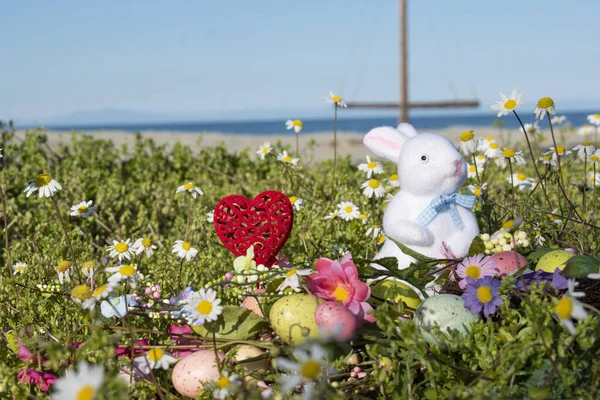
[{"x": 113, "y": 272}]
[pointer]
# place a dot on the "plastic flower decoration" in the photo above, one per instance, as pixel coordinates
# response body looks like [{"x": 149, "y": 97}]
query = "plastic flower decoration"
[
  {"x": 285, "y": 158},
  {"x": 246, "y": 267},
  {"x": 154, "y": 359},
  {"x": 83, "y": 209},
  {"x": 370, "y": 167},
  {"x": 308, "y": 368},
  {"x": 120, "y": 249},
  {"x": 127, "y": 273},
  {"x": 117, "y": 306},
  {"x": 190, "y": 188},
  {"x": 482, "y": 294},
  {"x": 203, "y": 306},
  {"x": 338, "y": 281},
  {"x": 585, "y": 149},
  {"x": 45, "y": 184},
  {"x": 545, "y": 105},
  {"x": 475, "y": 267},
  {"x": 348, "y": 211},
  {"x": 594, "y": 119},
  {"x": 468, "y": 143},
  {"x": 334, "y": 99},
  {"x": 521, "y": 181},
  {"x": 291, "y": 279},
  {"x": 264, "y": 150},
  {"x": 507, "y": 104},
  {"x": 184, "y": 250},
  {"x": 226, "y": 385},
  {"x": 296, "y": 125},
  {"x": 18, "y": 268},
  {"x": 569, "y": 307},
  {"x": 81, "y": 384},
  {"x": 143, "y": 245},
  {"x": 373, "y": 187}
]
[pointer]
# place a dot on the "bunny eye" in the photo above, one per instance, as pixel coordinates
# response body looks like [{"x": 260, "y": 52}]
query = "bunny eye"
[{"x": 424, "y": 158}]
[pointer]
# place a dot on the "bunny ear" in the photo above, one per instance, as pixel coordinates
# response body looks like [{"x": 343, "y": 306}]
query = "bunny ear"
[
  {"x": 385, "y": 142},
  {"x": 407, "y": 129}
]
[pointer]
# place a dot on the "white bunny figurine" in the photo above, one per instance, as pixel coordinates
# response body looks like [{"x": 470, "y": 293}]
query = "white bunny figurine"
[{"x": 427, "y": 211}]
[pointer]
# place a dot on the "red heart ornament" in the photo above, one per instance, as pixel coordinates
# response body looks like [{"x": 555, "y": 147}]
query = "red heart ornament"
[{"x": 264, "y": 222}]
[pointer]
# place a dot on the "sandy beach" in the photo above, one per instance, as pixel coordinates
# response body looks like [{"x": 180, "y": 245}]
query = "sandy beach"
[{"x": 318, "y": 145}]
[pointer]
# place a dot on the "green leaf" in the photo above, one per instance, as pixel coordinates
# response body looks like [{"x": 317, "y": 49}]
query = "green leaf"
[
  {"x": 234, "y": 323},
  {"x": 12, "y": 342},
  {"x": 580, "y": 266},
  {"x": 477, "y": 246},
  {"x": 408, "y": 251},
  {"x": 391, "y": 263}
]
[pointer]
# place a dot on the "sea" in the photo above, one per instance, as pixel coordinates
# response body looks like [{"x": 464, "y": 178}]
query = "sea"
[{"x": 317, "y": 125}]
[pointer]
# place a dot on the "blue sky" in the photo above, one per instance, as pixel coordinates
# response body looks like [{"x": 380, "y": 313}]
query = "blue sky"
[{"x": 234, "y": 58}]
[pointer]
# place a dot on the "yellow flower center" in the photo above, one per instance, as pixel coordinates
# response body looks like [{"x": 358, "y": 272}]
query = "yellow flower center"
[
  {"x": 188, "y": 186},
  {"x": 336, "y": 99},
  {"x": 19, "y": 268},
  {"x": 380, "y": 239},
  {"x": 374, "y": 183},
  {"x": 155, "y": 354},
  {"x": 82, "y": 210},
  {"x": 293, "y": 199},
  {"x": 363, "y": 216},
  {"x": 91, "y": 264},
  {"x": 127, "y": 270},
  {"x": 545, "y": 102},
  {"x": 508, "y": 224},
  {"x": 297, "y": 122},
  {"x": 121, "y": 247},
  {"x": 186, "y": 246},
  {"x": 291, "y": 273},
  {"x": 99, "y": 290},
  {"x": 265, "y": 150},
  {"x": 86, "y": 393},
  {"x": 510, "y": 104},
  {"x": 597, "y": 116},
  {"x": 484, "y": 294},
  {"x": 493, "y": 145},
  {"x": 559, "y": 150},
  {"x": 564, "y": 308},
  {"x": 205, "y": 307},
  {"x": 223, "y": 382},
  {"x": 477, "y": 192},
  {"x": 489, "y": 138},
  {"x": 472, "y": 169},
  {"x": 146, "y": 243},
  {"x": 81, "y": 292},
  {"x": 340, "y": 294},
  {"x": 508, "y": 153},
  {"x": 594, "y": 158},
  {"x": 287, "y": 159},
  {"x": 348, "y": 209},
  {"x": 371, "y": 165},
  {"x": 466, "y": 136},
  {"x": 310, "y": 369},
  {"x": 394, "y": 177},
  {"x": 521, "y": 177},
  {"x": 64, "y": 266},
  {"x": 586, "y": 143},
  {"x": 42, "y": 180},
  {"x": 473, "y": 271}
]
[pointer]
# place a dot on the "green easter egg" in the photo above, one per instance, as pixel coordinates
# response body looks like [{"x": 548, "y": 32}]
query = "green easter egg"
[
  {"x": 293, "y": 318},
  {"x": 552, "y": 260}
]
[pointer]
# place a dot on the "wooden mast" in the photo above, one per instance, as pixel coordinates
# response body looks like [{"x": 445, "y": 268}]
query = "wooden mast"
[{"x": 403, "y": 32}]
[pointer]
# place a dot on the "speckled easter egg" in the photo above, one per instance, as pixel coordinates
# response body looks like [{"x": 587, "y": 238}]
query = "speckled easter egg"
[
  {"x": 446, "y": 311},
  {"x": 251, "y": 303},
  {"x": 553, "y": 259},
  {"x": 399, "y": 291},
  {"x": 293, "y": 318},
  {"x": 193, "y": 370},
  {"x": 333, "y": 318},
  {"x": 245, "y": 352},
  {"x": 509, "y": 261}
]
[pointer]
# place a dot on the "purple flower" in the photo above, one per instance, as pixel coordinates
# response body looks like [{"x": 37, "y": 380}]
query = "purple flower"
[
  {"x": 482, "y": 294},
  {"x": 475, "y": 267},
  {"x": 557, "y": 279}
]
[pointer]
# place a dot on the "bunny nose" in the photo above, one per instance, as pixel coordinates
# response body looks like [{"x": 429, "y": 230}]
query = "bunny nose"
[{"x": 458, "y": 164}]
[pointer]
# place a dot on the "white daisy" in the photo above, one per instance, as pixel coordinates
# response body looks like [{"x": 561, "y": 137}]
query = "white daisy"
[
  {"x": 468, "y": 143},
  {"x": 81, "y": 293},
  {"x": 286, "y": 158},
  {"x": 370, "y": 167},
  {"x": 296, "y": 125},
  {"x": 594, "y": 119},
  {"x": 121, "y": 249},
  {"x": 184, "y": 250},
  {"x": 373, "y": 187},
  {"x": 584, "y": 149},
  {"x": 557, "y": 120},
  {"x": 484, "y": 143},
  {"x": 305, "y": 371},
  {"x": 587, "y": 130},
  {"x": 297, "y": 202},
  {"x": 480, "y": 161},
  {"x": 88, "y": 269},
  {"x": 364, "y": 218},
  {"x": 514, "y": 156},
  {"x": 493, "y": 150},
  {"x": 477, "y": 190},
  {"x": 203, "y": 306},
  {"x": 508, "y": 105},
  {"x": 569, "y": 307},
  {"x": 521, "y": 181},
  {"x": 556, "y": 152},
  {"x": 532, "y": 129},
  {"x": 546, "y": 160},
  {"x": 226, "y": 385},
  {"x": 374, "y": 231},
  {"x": 335, "y": 100},
  {"x": 595, "y": 158},
  {"x": 154, "y": 359},
  {"x": 473, "y": 170},
  {"x": 45, "y": 184},
  {"x": 82, "y": 384},
  {"x": 544, "y": 105},
  {"x": 291, "y": 279},
  {"x": 331, "y": 215},
  {"x": 142, "y": 245},
  {"x": 348, "y": 211},
  {"x": 83, "y": 209},
  {"x": 127, "y": 273},
  {"x": 19, "y": 267},
  {"x": 64, "y": 271},
  {"x": 101, "y": 292},
  {"x": 394, "y": 181},
  {"x": 210, "y": 217},
  {"x": 264, "y": 150},
  {"x": 190, "y": 188}
]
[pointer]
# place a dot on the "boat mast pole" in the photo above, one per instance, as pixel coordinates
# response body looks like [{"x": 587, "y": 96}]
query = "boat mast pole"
[{"x": 403, "y": 31}]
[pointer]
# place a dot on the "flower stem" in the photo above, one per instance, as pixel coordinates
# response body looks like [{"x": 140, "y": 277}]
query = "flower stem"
[
  {"x": 297, "y": 146},
  {"x": 476, "y": 169},
  {"x": 585, "y": 183},
  {"x": 189, "y": 218},
  {"x": 512, "y": 183},
  {"x": 335, "y": 108},
  {"x": 4, "y": 212},
  {"x": 64, "y": 228},
  {"x": 537, "y": 171}
]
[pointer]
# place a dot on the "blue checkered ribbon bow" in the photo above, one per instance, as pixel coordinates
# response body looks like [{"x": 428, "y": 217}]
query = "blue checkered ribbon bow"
[{"x": 446, "y": 202}]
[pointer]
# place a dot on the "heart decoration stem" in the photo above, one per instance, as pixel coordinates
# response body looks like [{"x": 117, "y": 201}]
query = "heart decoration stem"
[{"x": 264, "y": 222}]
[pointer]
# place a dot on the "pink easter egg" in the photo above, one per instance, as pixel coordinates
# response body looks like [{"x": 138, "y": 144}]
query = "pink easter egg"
[
  {"x": 509, "y": 261},
  {"x": 193, "y": 371},
  {"x": 333, "y": 318}
]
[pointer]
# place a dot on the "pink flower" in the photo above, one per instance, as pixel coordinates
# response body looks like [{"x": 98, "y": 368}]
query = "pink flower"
[
  {"x": 126, "y": 350},
  {"x": 338, "y": 281},
  {"x": 176, "y": 332},
  {"x": 476, "y": 267},
  {"x": 40, "y": 379},
  {"x": 24, "y": 353}
]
